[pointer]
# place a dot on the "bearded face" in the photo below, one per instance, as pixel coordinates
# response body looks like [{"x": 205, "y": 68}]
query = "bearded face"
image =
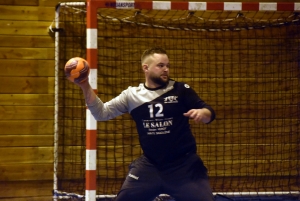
[
  {"x": 157, "y": 70},
  {"x": 160, "y": 79}
]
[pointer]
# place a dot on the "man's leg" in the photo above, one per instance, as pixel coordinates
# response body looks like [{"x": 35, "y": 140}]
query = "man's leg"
[
  {"x": 142, "y": 182},
  {"x": 198, "y": 190},
  {"x": 188, "y": 181}
]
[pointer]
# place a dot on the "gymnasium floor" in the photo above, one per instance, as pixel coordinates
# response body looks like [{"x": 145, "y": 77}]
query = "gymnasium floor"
[
  {"x": 257, "y": 198},
  {"x": 238, "y": 198}
]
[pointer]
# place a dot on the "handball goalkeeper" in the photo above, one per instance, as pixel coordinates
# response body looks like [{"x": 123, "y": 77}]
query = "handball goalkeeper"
[{"x": 161, "y": 108}]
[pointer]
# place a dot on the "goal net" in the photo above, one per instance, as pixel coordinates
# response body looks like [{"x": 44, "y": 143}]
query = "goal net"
[{"x": 244, "y": 63}]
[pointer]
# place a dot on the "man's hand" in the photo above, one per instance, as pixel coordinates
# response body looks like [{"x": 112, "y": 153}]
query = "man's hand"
[{"x": 203, "y": 115}]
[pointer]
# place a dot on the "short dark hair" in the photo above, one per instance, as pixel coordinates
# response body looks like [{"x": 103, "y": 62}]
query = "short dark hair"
[{"x": 151, "y": 51}]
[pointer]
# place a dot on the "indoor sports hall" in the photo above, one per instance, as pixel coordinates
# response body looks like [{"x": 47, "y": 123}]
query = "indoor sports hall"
[{"x": 242, "y": 57}]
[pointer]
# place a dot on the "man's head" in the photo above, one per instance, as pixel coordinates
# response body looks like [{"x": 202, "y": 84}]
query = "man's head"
[{"x": 155, "y": 64}]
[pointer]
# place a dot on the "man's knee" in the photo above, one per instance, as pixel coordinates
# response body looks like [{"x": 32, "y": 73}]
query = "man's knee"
[{"x": 135, "y": 194}]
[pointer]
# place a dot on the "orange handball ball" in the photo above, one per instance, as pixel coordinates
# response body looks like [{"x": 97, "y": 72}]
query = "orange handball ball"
[{"x": 77, "y": 70}]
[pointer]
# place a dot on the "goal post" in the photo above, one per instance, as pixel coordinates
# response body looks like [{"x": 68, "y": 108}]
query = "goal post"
[
  {"x": 257, "y": 71},
  {"x": 91, "y": 124}
]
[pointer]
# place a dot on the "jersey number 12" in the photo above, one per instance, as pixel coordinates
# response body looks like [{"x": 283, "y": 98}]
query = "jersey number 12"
[{"x": 157, "y": 106}]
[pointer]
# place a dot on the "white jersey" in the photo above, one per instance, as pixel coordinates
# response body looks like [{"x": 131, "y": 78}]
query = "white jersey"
[{"x": 164, "y": 132}]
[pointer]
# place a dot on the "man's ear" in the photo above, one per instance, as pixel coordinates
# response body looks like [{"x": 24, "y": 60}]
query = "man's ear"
[{"x": 145, "y": 67}]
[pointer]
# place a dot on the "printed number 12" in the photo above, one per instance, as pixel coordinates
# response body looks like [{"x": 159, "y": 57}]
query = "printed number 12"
[{"x": 158, "y": 113}]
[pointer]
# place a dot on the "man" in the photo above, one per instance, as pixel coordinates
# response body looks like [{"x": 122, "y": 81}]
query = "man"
[{"x": 161, "y": 108}]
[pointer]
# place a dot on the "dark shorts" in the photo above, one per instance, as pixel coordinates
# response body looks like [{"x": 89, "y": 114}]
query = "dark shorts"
[{"x": 186, "y": 181}]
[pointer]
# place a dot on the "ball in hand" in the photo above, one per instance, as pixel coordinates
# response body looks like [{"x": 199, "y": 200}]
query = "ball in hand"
[{"x": 77, "y": 70}]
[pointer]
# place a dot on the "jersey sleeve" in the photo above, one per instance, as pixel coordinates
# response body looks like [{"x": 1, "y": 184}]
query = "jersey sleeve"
[
  {"x": 111, "y": 109},
  {"x": 193, "y": 101}
]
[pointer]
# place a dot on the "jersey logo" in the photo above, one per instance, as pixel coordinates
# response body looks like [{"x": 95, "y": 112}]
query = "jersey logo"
[
  {"x": 171, "y": 99},
  {"x": 187, "y": 86},
  {"x": 133, "y": 176}
]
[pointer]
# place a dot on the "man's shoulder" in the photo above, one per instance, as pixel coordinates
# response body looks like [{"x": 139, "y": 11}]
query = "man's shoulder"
[
  {"x": 181, "y": 85},
  {"x": 134, "y": 89}
]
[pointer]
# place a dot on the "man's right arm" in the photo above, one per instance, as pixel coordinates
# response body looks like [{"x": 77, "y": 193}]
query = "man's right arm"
[
  {"x": 99, "y": 110},
  {"x": 89, "y": 94}
]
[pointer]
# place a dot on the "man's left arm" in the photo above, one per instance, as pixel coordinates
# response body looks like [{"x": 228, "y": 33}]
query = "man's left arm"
[
  {"x": 198, "y": 110},
  {"x": 200, "y": 115}
]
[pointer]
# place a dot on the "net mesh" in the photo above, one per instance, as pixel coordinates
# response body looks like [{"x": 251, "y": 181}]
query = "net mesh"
[{"x": 244, "y": 64}]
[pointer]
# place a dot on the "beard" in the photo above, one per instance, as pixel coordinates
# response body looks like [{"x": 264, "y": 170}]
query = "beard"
[{"x": 160, "y": 81}]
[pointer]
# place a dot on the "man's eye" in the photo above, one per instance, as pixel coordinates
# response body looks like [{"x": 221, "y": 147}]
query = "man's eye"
[{"x": 163, "y": 65}]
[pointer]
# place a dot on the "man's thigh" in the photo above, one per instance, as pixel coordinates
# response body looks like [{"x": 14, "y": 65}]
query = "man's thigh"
[
  {"x": 196, "y": 190},
  {"x": 189, "y": 181},
  {"x": 141, "y": 184}
]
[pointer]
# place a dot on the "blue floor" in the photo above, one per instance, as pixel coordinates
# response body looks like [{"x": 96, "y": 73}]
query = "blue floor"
[
  {"x": 220, "y": 197},
  {"x": 256, "y": 198}
]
